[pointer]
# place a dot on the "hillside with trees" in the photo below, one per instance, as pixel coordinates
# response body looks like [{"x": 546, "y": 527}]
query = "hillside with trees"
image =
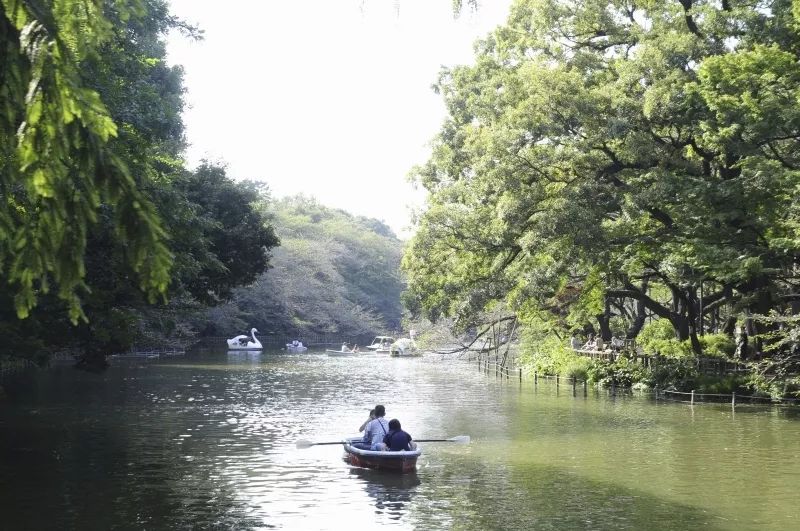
[{"x": 334, "y": 273}]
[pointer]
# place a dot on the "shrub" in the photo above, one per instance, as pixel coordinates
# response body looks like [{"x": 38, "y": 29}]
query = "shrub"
[
  {"x": 717, "y": 345},
  {"x": 722, "y": 385},
  {"x": 658, "y": 330},
  {"x": 677, "y": 373},
  {"x": 577, "y": 368},
  {"x": 621, "y": 373}
]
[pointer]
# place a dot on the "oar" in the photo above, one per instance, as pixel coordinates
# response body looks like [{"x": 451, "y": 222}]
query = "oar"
[
  {"x": 460, "y": 439},
  {"x": 302, "y": 443}
]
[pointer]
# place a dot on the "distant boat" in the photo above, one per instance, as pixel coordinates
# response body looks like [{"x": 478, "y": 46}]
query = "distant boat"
[
  {"x": 348, "y": 352},
  {"x": 404, "y": 347},
  {"x": 381, "y": 343},
  {"x": 296, "y": 346},
  {"x": 243, "y": 342}
]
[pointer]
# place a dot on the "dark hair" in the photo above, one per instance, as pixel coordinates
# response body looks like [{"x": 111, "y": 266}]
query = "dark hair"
[
  {"x": 394, "y": 424},
  {"x": 380, "y": 411}
]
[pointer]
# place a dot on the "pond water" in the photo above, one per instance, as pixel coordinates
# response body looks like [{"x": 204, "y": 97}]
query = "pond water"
[{"x": 208, "y": 441}]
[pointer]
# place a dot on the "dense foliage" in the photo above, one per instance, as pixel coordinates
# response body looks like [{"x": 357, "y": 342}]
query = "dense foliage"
[
  {"x": 617, "y": 160},
  {"x": 61, "y": 160},
  {"x": 95, "y": 199}
]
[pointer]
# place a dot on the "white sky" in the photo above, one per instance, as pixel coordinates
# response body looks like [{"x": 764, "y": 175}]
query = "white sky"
[{"x": 330, "y": 98}]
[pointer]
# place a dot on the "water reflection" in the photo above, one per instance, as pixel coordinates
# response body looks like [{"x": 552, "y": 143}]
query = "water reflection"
[
  {"x": 210, "y": 439},
  {"x": 239, "y": 356},
  {"x": 391, "y": 491}
]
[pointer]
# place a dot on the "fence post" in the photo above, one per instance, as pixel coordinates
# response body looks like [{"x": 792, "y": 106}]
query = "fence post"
[
  {"x": 733, "y": 399},
  {"x": 556, "y": 381},
  {"x": 535, "y": 378},
  {"x": 584, "y": 388},
  {"x": 692, "y": 397},
  {"x": 520, "y": 375}
]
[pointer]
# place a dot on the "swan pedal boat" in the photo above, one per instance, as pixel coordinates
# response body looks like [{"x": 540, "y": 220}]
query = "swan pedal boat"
[
  {"x": 243, "y": 342},
  {"x": 402, "y": 462},
  {"x": 295, "y": 348},
  {"x": 404, "y": 347}
]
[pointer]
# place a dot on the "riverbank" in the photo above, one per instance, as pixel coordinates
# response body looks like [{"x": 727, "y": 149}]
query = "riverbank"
[{"x": 686, "y": 378}]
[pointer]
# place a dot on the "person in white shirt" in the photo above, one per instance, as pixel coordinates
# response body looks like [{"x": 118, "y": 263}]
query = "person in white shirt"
[
  {"x": 574, "y": 342},
  {"x": 375, "y": 431},
  {"x": 598, "y": 344}
]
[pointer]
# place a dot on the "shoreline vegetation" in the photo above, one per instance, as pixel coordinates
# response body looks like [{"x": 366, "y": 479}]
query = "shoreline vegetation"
[
  {"x": 654, "y": 362},
  {"x": 622, "y": 170}
]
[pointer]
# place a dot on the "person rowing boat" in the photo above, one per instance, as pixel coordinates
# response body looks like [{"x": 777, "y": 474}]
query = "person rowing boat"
[{"x": 375, "y": 431}]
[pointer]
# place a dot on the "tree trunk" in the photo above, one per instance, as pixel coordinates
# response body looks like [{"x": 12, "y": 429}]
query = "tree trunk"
[
  {"x": 604, "y": 320},
  {"x": 640, "y": 315},
  {"x": 692, "y": 319}
]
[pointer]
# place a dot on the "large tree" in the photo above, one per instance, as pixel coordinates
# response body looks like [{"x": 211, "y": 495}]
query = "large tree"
[
  {"x": 598, "y": 149},
  {"x": 209, "y": 236},
  {"x": 59, "y": 163}
]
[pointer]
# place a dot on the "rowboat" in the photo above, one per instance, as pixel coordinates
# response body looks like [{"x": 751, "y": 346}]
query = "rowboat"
[
  {"x": 331, "y": 352},
  {"x": 402, "y": 462}
]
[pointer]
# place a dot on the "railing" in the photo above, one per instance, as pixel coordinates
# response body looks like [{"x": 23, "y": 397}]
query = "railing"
[
  {"x": 486, "y": 365},
  {"x": 151, "y": 352},
  {"x": 706, "y": 365},
  {"x": 10, "y": 366}
]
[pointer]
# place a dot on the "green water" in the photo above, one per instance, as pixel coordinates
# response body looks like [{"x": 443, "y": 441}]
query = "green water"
[{"x": 208, "y": 442}]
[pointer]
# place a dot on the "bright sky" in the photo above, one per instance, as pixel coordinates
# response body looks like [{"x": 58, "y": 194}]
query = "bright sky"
[{"x": 329, "y": 98}]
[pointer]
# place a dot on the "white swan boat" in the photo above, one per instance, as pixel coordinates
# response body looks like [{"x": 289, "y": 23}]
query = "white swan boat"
[
  {"x": 296, "y": 346},
  {"x": 404, "y": 347},
  {"x": 244, "y": 342}
]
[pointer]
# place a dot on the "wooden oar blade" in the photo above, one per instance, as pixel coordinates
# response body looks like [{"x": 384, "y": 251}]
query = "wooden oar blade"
[
  {"x": 460, "y": 439},
  {"x": 302, "y": 443}
]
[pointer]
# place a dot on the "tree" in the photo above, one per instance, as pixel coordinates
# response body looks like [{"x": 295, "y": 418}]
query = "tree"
[
  {"x": 59, "y": 165},
  {"x": 646, "y": 145},
  {"x": 235, "y": 238}
]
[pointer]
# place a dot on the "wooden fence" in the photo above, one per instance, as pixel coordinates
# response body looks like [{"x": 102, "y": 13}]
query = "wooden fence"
[
  {"x": 705, "y": 365},
  {"x": 505, "y": 371}
]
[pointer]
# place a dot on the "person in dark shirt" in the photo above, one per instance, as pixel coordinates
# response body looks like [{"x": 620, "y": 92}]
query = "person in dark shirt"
[{"x": 397, "y": 440}]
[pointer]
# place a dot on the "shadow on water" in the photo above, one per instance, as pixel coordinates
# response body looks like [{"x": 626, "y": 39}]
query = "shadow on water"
[
  {"x": 391, "y": 491},
  {"x": 549, "y": 497}
]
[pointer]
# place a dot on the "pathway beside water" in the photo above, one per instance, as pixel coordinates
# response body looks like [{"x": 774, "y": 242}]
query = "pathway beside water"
[{"x": 208, "y": 440}]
